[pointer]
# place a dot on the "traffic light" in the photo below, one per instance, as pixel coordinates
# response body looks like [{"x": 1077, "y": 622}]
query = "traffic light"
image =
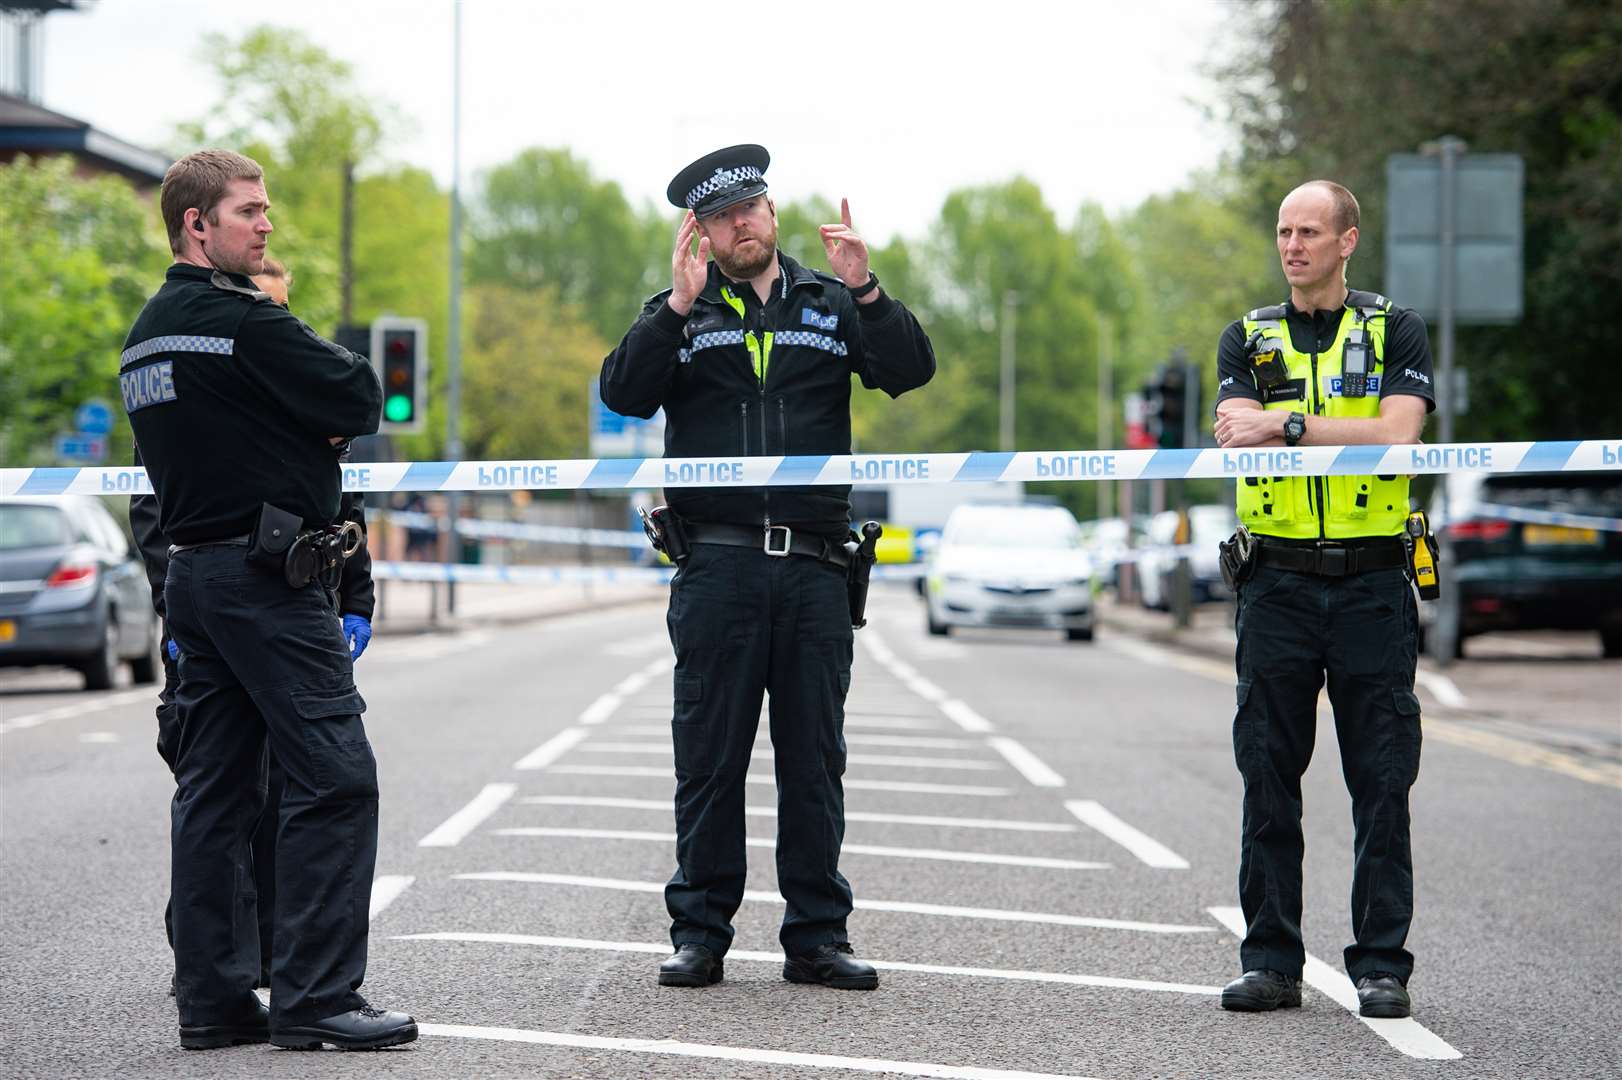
[
  {"x": 1172, "y": 383},
  {"x": 400, "y": 355}
]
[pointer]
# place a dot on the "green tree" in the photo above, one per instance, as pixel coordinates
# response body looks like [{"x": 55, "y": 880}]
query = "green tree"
[{"x": 79, "y": 260}]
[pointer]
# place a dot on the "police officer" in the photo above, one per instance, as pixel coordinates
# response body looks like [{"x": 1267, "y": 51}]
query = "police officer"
[
  {"x": 354, "y": 602},
  {"x": 237, "y": 407},
  {"x": 1328, "y": 595},
  {"x": 751, "y": 355}
]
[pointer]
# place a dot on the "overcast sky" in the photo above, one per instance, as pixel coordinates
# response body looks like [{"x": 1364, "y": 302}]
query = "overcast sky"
[{"x": 891, "y": 102}]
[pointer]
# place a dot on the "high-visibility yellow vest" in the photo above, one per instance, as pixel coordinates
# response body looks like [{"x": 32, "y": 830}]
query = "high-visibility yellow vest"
[{"x": 1324, "y": 507}]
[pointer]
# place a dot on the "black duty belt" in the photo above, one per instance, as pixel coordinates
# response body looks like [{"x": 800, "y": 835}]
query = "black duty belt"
[
  {"x": 241, "y": 540},
  {"x": 1333, "y": 559},
  {"x": 777, "y": 540}
]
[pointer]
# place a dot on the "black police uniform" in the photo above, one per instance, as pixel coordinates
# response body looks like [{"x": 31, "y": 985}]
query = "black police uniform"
[
  {"x": 1358, "y": 628},
  {"x": 355, "y": 596},
  {"x": 232, "y": 400},
  {"x": 744, "y": 621}
]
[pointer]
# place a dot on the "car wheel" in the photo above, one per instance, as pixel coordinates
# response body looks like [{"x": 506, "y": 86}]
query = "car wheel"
[
  {"x": 936, "y": 627},
  {"x": 146, "y": 668},
  {"x": 1081, "y": 633},
  {"x": 100, "y": 668},
  {"x": 1610, "y": 642}
]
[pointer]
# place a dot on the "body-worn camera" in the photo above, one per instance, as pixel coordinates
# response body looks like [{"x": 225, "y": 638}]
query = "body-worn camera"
[{"x": 1267, "y": 361}]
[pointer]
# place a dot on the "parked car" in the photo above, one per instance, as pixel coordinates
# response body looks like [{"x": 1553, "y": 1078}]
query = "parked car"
[
  {"x": 73, "y": 591},
  {"x": 1527, "y": 552},
  {"x": 1015, "y": 565},
  {"x": 1108, "y": 542},
  {"x": 1208, "y": 525}
]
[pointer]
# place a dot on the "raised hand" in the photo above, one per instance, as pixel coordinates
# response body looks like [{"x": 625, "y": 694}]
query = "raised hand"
[
  {"x": 847, "y": 252},
  {"x": 688, "y": 272}
]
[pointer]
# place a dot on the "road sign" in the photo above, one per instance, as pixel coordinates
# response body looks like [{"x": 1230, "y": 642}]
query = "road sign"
[
  {"x": 1486, "y": 235},
  {"x": 94, "y": 417},
  {"x": 91, "y": 449},
  {"x": 613, "y": 435}
]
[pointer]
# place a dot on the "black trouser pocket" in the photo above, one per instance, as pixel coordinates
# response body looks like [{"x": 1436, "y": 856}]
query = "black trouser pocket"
[
  {"x": 693, "y": 726},
  {"x": 341, "y": 761}
]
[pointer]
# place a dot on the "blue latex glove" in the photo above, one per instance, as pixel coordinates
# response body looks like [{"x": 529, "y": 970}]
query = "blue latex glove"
[
  {"x": 174, "y": 651},
  {"x": 357, "y": 631}
]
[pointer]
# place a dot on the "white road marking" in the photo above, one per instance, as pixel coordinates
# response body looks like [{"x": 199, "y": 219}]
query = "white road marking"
[
  {"x": 386, "y": 890},
  {"x": 916, "y": 742},
  {"x": 1146, "y": 848},
  {"x": 762, "y": 753},
  {"x": 79, "y": 708},
  {"x": 98, "y": 736},
  {"x": 965, "y": 717},
  {"x": 1442, "y": 688},
  {"x": 777, "y": 958},
  {"x": 631, "y": 684},
  {"x": 850, "y": 815},
  {"x": 890, "y": 721},
  {"x": 552, "y": 749},
  {"x": 931, "y": 854},
  {"x": 753, "y": 778},
  {"x": 786, "y": 1058},
  {"x": 907, "y": 907},
  {"x": 1154, "y": 654},
  {"x": 926, "y": 689},
  {"x": 1029, "y": 765},
  {"x": 470, "y": 817},
  {"x": 1407, "y": 1035},
  {"x": 600, "y": 710}
]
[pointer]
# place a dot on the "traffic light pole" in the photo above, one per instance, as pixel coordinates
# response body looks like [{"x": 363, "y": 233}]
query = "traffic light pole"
[{"x": 453, "y": 347}]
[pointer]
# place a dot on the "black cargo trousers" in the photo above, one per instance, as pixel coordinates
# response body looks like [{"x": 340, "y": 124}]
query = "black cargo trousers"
[
  {"x": 743, "y": 623},
  {"x": 1361, "y": 630},
  {"x": 260, "y": 660}
]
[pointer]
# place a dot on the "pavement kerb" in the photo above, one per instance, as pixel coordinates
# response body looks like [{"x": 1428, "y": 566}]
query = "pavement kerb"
[{"x": 1214, "y": 640}]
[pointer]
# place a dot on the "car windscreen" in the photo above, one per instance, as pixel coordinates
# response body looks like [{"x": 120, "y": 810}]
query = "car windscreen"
[
  {"x": 32, "y": 527},
  {"x": 1012, "y": 529},
  {"x": 1599, "y": 494}
]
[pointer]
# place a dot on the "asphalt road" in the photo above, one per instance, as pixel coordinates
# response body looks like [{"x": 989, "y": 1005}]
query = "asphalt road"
[{"x": 1042, "y": 843}]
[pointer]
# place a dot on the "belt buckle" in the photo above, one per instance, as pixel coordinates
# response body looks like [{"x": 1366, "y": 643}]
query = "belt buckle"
[
  {"x": 788, "y": 540},
  {"x": 1333, "y": 561}
]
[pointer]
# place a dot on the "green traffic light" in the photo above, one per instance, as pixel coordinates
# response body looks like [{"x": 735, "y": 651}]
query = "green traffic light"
[{"x": 397, "y": 409}]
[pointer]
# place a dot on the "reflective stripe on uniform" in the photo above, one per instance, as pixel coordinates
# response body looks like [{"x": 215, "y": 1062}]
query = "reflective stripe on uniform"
[
  {"x": 221, "y": 346},
  {"x": 811, "y": 340}
]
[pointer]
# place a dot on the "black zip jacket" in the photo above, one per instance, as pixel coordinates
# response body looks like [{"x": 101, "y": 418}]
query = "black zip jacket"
[
  {"x": 700, "y": 371},
  {"x": 355, "y": 591},
  {"x": 232, "y": 400}
]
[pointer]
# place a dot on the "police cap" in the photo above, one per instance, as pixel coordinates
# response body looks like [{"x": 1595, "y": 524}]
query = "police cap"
[{"x": 716, "y": 181}]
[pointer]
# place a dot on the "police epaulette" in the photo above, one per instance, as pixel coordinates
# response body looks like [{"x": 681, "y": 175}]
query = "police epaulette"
[
  {"x": 1263, "y": 314},
  {"x": 225, "y": 284},
  {"x": 1369, "y": 303}
]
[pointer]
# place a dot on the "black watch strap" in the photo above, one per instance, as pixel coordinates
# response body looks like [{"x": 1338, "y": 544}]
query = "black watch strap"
[{"x": 862, "y": 290}]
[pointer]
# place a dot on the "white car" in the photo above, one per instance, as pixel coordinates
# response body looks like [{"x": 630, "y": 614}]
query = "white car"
[
  {"x": 1020, "y": 566},
  {"x": 1209, "y": 525}
]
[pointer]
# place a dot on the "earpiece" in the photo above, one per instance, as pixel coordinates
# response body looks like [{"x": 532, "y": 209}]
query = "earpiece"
[{"x": 197, "y": 224}]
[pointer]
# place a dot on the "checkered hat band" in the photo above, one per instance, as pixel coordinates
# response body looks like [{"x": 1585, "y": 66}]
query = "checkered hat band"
[{"x": 723, "y": 178}]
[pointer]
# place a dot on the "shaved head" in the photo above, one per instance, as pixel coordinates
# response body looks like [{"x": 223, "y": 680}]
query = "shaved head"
[{"x": 1344, "y": 212}]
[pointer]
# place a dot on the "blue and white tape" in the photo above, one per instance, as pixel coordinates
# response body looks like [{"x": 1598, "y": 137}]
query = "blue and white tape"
[
  {"x": 869, "y": 470},
  {"x": 463, "y": 573}
]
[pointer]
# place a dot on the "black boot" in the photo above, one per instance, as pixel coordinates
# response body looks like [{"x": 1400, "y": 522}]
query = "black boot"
[
  {"x": 1382, "y": 995},
  {"x": 690, "y": 965},
  {"x": 364, "y": 1028},
  {"x": 831, "y": 965},
  {"x": 1261, "y": 990},
  {"x": 253, "y": 1026}
]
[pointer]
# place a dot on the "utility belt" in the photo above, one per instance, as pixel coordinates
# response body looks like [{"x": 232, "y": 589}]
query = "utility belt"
[
  {"x": 673, "y": 537},
  {"x": 279, "y": 541},
  {"x": 1414, "y": 551}
]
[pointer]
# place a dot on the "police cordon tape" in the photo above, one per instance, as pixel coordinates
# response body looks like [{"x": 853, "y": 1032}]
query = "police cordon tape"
[
  {"x": 463, "y": 573},
  {"x": 877, "y": 469}
]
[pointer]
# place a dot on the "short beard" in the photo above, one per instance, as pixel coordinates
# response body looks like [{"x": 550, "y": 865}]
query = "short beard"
[{"x": 739, "y": 269}]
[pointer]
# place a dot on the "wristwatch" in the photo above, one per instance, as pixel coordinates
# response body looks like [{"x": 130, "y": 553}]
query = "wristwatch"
[
  {"x": 862, "y": 290},
  {"x": 1295, "y": 426}
]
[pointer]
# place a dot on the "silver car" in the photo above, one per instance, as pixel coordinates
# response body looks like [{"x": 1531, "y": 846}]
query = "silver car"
[
  {"x": 1019, "y": 566},
  {"x": 73, "y": 591}
]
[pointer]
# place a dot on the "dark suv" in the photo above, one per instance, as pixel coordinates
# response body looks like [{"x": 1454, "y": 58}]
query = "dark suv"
[
  {"x": 1529, "y": 552},
  {"x": 72, "y": 591}
]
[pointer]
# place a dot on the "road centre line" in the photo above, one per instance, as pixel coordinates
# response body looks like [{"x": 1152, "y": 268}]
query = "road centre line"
[
  {"x": 762, "y": 753},
  {"x": 456, "y": 827},
  {"x": 386, "y": 890},
  {"x": 1407, "y": 1034},
  {"x": 600, "y": 710},
  {"x": 552, "y": 749},
  {"x": 1442, "y": 688},
  {"x": 964, "y": 717},
  {"x": 1058, "y": 977},
  {"x": 931, "y": 854},
  {"x": 1146, "y": 848},
  {"x": 850, "y": 815},
  {"x": 786, "y": 1058},
  {"x": 78, "y": 708},
  {"x": 1026, "y": 763},
  {"x": 902, "y": 906},
  {"x": 755, "y": 778}
]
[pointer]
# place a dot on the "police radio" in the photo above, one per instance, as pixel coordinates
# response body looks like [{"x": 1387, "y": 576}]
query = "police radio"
[{"x": 1356, "y": 364}]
